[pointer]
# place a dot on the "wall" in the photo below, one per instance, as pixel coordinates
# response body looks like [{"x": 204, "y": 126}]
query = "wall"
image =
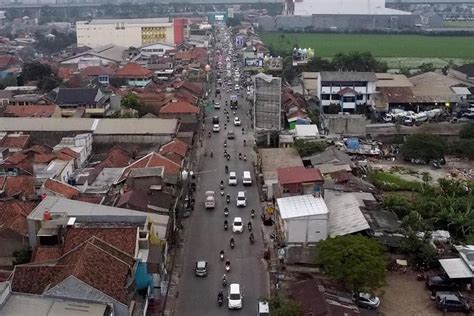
[
  {"x": 306, "y": 7},
  {"x": 344, "y": 124},
  {"x": 132, "y": 139},
  {"x": 307, "y": 229},
  {"x": 143, "y": 183},
  {"x": 10, "y": 241},
  {"x": 183, "y": 117}
]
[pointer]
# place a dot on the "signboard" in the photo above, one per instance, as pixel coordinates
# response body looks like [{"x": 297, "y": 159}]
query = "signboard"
[
  {"x": 219, "y": 17},
  {"x": 254, "y": 62},
  {"x": 301, "y": 56},
  {"x": 273, "y": 63},
  {"x": 239, "y": 41}
]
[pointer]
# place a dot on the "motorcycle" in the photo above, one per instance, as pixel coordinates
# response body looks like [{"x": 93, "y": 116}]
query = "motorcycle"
[
  {"x": 249, "y": 226},
  {"x": 222, "y": 185},
  {"x": 245, "y": 157},
  {"x": 209, "y": 134},
  {"x": 220, "y": 299},
  {"x": 232, "y": 243},
  {"x": 222, "y": 192},
  {"x": 252, "y": 213},
  {"x": 226, "y": 226},
  {"x": 227, "y": 266},
  {"x": 221, "y": 255},
  {"x": 224, "y": 282},
  {"x": 212, "y": 154},
  {"x": 227, "y": 199},
  {"x": 226, "y": 169},
  {"x": 228, "y": 157},
  {"x": 226, "y": 212},
  {"x": 240, "y": 156},
  {"x": 245, "y": 143},
  {"x": 251, "y": 238}
]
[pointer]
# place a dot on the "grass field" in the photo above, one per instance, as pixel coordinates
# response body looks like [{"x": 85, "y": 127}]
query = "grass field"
[
  {"x": 388, "y": 46},
  {"x": 459, "y": 24}
]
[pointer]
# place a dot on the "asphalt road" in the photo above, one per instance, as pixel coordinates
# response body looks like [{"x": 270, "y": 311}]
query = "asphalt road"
[{"x": 204, "y": 232}]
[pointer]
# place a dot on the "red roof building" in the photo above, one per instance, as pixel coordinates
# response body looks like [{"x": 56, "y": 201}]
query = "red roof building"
[
  {"x": 15, "y": 142},
  {"x": 18, "y": 186},
  {"x": 133, "y": 70},
  {"x": 153, "y": 159},
  {"x": 57, "y": 188},
  {"x": 32, "y": 111},
  {"x": 175, "y": 146},
  {"x": 300, "y": 180},
  {"x": 182, "y": 110}
]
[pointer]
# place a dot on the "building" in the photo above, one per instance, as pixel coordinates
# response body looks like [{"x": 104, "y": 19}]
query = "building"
[
  {"x": 348, "y": 90},
  {"x": 127, "y": 32},
  {"x": 32, "y": 111},
  {"x": 304, "y": 219},
  {"x": 356, "y": 7},
  {"x": 267, "y": 103},
  {"x": 93, "y": 100},
  {"x": 100, "y": 56},
  {"x": 464, "y": 72},
  {"x": 182, "y": 110},
  {"x": 300, "y": 180}
]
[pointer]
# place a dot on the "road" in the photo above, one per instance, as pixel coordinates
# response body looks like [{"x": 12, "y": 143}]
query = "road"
[{"x": 204, "y": 232}]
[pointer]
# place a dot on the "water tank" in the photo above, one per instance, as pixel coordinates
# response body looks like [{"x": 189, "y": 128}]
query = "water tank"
[{"x": 47, "y": 216}]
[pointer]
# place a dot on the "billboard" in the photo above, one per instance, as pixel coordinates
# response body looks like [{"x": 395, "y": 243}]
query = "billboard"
[
  {"x": 239, "y": 41},
  {"x": 273, "y": 63},
  {"x": 301, "y": 56},
  {"x": 254, "y": 62}
]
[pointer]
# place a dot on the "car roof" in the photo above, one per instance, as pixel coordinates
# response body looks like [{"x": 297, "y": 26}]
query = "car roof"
[
  {"x": 232, "y": 173},
  {"x": 234, "y": 288},
  {"x": 263, "y": 307},
  {"x": 241, "y": 193},
  {"x": 201, "y": 263},
  {"x": 237, "y": 219},
  {"x": 448, "y": 296}
]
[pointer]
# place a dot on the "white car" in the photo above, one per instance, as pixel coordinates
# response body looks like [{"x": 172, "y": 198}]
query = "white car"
[
  {"x": 217, "y": 105},
  {"x": 237, "y": 121},
  {"x": 232, "y": 178},
  {"x": 235, "y": 296},
  {"x": 237, "y": 225},
  {"x": 237, "y": 87},
  {"x": 216, "y": 128},
  {"x": 368, "y": 301},
  {"x": 241, "y": 199}
]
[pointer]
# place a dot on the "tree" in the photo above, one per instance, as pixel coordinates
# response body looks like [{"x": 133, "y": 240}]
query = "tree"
[
  {"x": 426, "y": 67},
  {"x": 22, "y": 256},
  {"x": 131, "y": 101},
  {"x": 284, "y": 307},
  {"x": 356, "y": 261},
  {"x": 467, "y": 131},
  {"x": 33, "y": 71},
  {"x": 424, "y": 147},
  {"x": 305, "y": 148}
]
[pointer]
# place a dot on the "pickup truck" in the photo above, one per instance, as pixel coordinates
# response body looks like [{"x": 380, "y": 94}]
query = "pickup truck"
[{"x": 210, "y": 201}]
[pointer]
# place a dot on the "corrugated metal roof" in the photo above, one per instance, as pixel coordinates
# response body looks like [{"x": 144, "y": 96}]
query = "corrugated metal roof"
[
  {"x": 345, "y": 215},
  {"x": 301, "y": 206},
  {"x": 456, "y": 268}
]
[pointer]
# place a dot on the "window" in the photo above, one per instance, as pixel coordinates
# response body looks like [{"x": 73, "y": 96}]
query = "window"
[
  {"x": 360, "y": 97},
  {"x": 335, "y": 96},
  {"x": 325, "y": 96},
  {"x": 349, "y": 99}
]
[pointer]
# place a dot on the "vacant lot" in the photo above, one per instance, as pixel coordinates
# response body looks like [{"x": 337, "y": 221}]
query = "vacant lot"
[{"x": 411, "y": 46}]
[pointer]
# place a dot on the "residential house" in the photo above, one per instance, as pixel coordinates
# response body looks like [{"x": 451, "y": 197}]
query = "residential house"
[
  {"x": 115, "y": 158},
  {"x": 9, "y": 66},
  {"x": 32, "y": 111},
  {"x": 270, "y": 160},
  {"x": 195, "y": 88},
  {"x": 309, "y": 81},
  {"x": 151, "y": 160},
  {"x": 103, "y": 56},
  {"x": 330, "y": 161},
  {"x": 19, "y": 186},
  {"x": 93, "y": 100},
  {"x": 350, "y": 91},
  {"x": 307, "y": 132},
  {"x": 134, "y": 75},
  {"x": 464, "y": 72},
  {"x": 13, "y": 226},
  {"x": 146, "y": 179},
  {"x": 152, "y": 202},
  {"x": 14, "y": 142},
  {"x": 182, "y": 110},
  {"x": 29, "y": 99},
  {"x": 175, "y": 150},
  {"x": 78, "y": 147},
  {"x": 163, "y": 67},
  {"x": 300, "y": 180},
  {"x": 58, "y": 188},
  {"x": 100, "y": 73}
]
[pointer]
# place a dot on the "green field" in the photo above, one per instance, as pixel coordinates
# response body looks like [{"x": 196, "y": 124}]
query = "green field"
[
  {"x": 387, "y": 46},
  {"x": 459, "y": 24}
]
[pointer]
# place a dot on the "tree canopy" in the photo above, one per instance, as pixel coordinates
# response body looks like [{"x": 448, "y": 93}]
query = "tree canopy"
[
  {"x": 280, "y": 306},
  {"x": 356, "y": 261},
  {"x": 131, "y": 101},
  {"x": 424, "y": 146},
  {"x": 42, "y": 73}
]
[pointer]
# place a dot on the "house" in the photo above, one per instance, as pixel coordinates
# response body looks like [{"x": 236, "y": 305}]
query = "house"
[
  {"x": 304, "y": 219},
  {"x": 100, "y": 73},
  {"x": 306, "y": 132},
  {"x": 10, "y": 65},
  {"x": 29, "y": 99},
  {"x": 350, "y": 91},
  {"x": 152, "y": 159},
  {"x": 13, "y": 226},
  {"x": 460, "y": 269},
  {"x": 309, "y": 81},
  {"x": 182, "y": 110},
  {"x": 146, "y": 179},
  {"x": 175, "y": 150},
  {"x": 315, "y": 299},
  {"x": 330, "y": 161},
  {"x": 15, "y": 142},
  {"x": 270, "y": 160},
  {"x": 300, "y": 180},
  {"x": 115, "y": 158},
  {"x": 78, "y": 147},
  {"x": 95, "y": 102},
  {"x": 464, "y": 72},
  {"x": 153, "y": 202},
  {"x": 32, "y": 111},
  {"x": 20, "y": 186},
  {"x": 134, "y": 75},
  {"x": 102, "y": 56}
]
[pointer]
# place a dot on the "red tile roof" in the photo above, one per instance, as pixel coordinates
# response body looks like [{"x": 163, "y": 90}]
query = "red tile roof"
[
  {"x": 175, "y": 146},
  {"x": 61, "y": 189},
  {"x": 298, "y": 175},
  {"x": 30, "y": 110},
  {"x": 44, "y": 253},
  {"x": 122, "y": 238},
  {"x": 13, "y": 215},
  {"x": 94, "y": 262},
  {"x": 65, "y": 73},
  {"x": 66, "y": 153},
  {"x": 8, "y": 61},
  {"x": 15, "y": 141},
  {"x": 133, "y": 70},
  {"x": 182, "y": 56},
  {"x": 179, "y": 107},
  {"x": 153, "y": 159},
  {"x": 195, "y": 88},
  {"x": 19, "y": 185},
  {"x": 95, "y": 71},
  {"x": 117, "y": 157}
]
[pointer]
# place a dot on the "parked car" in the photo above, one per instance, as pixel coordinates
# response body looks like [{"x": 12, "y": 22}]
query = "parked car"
[
  {"x": 440, "y": 283},
  {"x": 368, "y": 301},
  {"x": 451, "y": 302},
  {"x": 201, "y": 268},
  {"x": 237, "y": 225}
]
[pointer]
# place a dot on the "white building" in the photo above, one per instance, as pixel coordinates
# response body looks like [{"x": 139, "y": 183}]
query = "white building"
[
  {"x": 267, "y": 102},
  {"x": 346, "y": 89},
  {"x": 304, "y": 219},
  {"x": 369, "y": 7},
  {"x": 81, "y": 144},
  {"x": 124, "y": 32}
]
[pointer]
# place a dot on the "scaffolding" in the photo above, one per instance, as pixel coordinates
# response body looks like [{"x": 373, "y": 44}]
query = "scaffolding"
[{"x": 267, "y": 103}]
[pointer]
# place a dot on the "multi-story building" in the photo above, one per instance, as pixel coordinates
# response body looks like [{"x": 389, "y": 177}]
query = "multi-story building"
[
  {"x": 129, "y": 32},
  {"x": 267, "y": 102},
  {"x": 346, "y": 89}
]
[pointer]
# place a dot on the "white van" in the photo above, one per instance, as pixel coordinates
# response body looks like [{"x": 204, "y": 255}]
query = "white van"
[
  {"x": 235, "y": 297},
  {"x": 247, "y": 178}
]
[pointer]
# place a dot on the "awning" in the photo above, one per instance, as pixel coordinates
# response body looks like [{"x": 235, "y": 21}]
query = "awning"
[{"x": 456, "y": 268}]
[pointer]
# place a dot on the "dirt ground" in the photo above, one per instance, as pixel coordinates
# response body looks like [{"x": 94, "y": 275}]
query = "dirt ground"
[{"x": 405, "y": 296}]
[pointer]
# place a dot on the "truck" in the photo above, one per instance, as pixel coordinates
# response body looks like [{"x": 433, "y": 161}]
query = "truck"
[{"x": 210, "y": 201}]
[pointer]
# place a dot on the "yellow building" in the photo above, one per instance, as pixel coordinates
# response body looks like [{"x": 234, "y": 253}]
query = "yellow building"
[{"x": 124, "y": 32}]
